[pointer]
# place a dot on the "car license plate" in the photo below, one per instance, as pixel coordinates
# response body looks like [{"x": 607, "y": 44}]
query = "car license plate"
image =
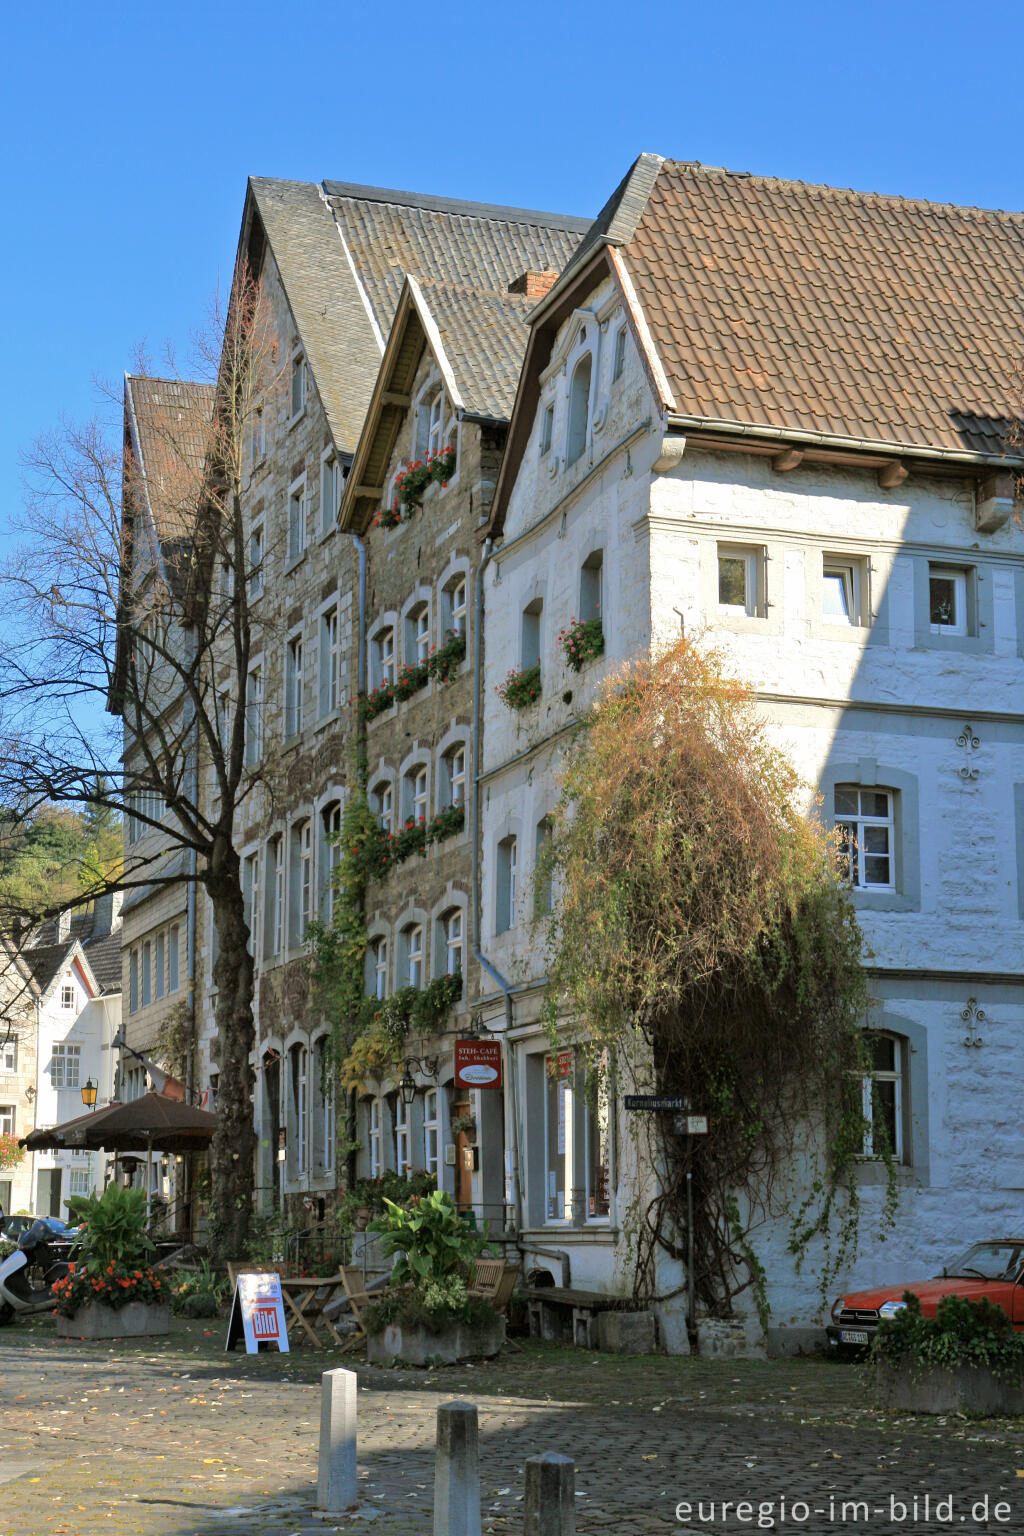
[{"x": 853, "y": 1336}]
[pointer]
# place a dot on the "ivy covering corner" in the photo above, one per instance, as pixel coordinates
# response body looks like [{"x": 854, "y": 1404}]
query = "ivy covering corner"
[{"x": 704, "y": 942}]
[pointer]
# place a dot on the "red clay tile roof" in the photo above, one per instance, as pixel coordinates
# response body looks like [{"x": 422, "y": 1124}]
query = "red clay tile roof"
[{"x": 818, "y": 310}]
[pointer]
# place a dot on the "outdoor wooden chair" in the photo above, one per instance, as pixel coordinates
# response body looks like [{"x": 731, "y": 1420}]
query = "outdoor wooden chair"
[
  {"x": 486, "y": 1278},
  {"x": 358, "y": 1298}
]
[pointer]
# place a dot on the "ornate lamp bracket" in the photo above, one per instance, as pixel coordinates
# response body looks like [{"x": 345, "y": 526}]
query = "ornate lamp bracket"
[{"x": 970, "y": 744}]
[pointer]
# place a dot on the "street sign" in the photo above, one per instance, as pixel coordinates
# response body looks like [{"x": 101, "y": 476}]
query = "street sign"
[
  {"x": 257, "y": 1314},
  {"x": 666, "y": 1101},
  {"x": 690, "y": 1125},
  {"x": 478, "y": 1063}
]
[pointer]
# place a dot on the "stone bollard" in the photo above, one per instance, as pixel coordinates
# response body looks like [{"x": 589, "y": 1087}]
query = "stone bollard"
[
  {"x": 550, "y": 1496},
  {"x": 457, "y": 1472},
  {"x": 336, "y": 1487}
]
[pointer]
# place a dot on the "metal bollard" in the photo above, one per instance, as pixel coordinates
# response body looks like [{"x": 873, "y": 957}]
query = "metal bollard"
[
  {"x": 457, "y": 1472},
  {"x": 550, "y": 1496},
  {"x": 336, "y": 1486}
]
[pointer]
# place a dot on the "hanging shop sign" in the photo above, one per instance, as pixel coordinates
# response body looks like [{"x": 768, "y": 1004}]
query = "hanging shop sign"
[
  {"x": 478, "y": 1063},
  {"x": 257, "y": 1314}
]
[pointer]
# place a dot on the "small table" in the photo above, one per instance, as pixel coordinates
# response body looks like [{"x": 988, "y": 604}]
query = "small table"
[{"x": 307, "y": 1300}]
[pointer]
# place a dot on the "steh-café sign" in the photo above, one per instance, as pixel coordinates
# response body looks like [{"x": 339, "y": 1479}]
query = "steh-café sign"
[{"x": 478, "y": 1063}]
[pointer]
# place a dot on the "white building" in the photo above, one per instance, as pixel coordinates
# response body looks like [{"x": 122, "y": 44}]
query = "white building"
[{"x": 778, "y": 413}]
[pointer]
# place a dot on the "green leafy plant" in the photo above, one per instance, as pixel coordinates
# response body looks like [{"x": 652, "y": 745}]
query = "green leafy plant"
[
  {"x": 430, "y": 1238},
  {"x": 520, "y": 688},
  {"x": 433, "y": 1306},
  {"x": 368, "y": 1195},
  {"x": 115, "y": 1228},
  {"x": 962, "y": 1332},
  {"x": 581, "y": 642}
]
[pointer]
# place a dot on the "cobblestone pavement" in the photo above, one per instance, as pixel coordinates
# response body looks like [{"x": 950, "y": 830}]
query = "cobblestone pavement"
[{"x": 184, "y": 1440}]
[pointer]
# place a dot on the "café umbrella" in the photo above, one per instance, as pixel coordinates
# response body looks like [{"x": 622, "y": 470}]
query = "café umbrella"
[{"x": 150, "y": 1123}]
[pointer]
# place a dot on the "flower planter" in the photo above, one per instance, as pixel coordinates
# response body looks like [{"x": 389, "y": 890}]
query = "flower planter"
[
  {"x": 908, "y": 1387},
  {"x": 135, "y": 1321},
  {"x": 417, "y": 1345}
]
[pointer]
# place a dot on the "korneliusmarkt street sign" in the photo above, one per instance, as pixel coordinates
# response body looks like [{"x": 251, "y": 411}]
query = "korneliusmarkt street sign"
[{"x": 665, "y": 1101}]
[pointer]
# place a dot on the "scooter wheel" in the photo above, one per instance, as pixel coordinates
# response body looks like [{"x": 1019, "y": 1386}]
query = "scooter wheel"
[{"x": 6, "y": 1313}]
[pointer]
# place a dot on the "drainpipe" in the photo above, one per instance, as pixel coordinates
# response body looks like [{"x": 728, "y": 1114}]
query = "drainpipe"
[{"x": 478, "y": 954}]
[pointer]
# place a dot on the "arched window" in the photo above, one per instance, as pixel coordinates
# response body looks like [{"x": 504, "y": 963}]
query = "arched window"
[
  {"x": 383, "y": 800},
  {"x": 414, "y": 794},
  {"x": 382, "y": 652},
  {"x": 430, "y": 1131},
  {"x": 378, "y": 977},
  {"x": 323, "y": 1109},
  {"x": 505, "y": 906},
  {"x": 453, "y": 607},
  {"x": 403, "y": 1137},
  {"x": 412, "y": 955},
  {"x": 417, "y": 635},
  {"x": 579, "y": 409},
  {"x": 591, "y": 582},
  {"x": 530, "y": 638},
  {"x": 543, "y": 895},
  {"x": 375, "y": 1118},
  {"x": 451, "y": 934},
  {"x": 453, "y": 777},
  {"x": 298, "y": 1072}
]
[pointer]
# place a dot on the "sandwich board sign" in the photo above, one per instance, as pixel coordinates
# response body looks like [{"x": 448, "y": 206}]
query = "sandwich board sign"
[{"x": 257, "y": 1314}]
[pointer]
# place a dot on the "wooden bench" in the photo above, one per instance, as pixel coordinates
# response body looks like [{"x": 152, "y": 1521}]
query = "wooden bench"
[{"x": 561, "y": 1300}]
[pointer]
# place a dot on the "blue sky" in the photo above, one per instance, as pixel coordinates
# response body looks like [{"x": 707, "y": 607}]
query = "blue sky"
[{"x": 129, "y": 132}]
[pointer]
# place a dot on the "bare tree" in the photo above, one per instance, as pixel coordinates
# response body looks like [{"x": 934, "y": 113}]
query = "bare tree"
[{"x": 129, "y": 638}]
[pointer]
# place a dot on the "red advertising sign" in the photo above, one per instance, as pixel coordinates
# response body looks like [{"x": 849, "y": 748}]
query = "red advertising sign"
[{"x": 478, "y": 1063}]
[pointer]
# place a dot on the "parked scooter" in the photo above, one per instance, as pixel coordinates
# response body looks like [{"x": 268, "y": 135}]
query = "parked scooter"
[{"x": 27, "y": 1275}]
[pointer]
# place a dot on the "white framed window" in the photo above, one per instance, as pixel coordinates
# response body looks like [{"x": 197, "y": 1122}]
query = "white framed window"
[
  {"x": 254, "y": 716},
  {"x": 133, "y": 981},
  {"x": 559, "y": 1134},
  {"x": 298, "y": 385},
  {"x": 417, "y": 635},
  {"x": 329, "y": 661},
  {"x": 330, "y": 857},
  {"x": 948, "y": 598},
  {"x": 453, "y": 776},
  {"x": 547, "y": 429},
  {"x": 619, "y": 356},
  {"x": 882, "y": 1097},
  {"x": 530, "y": 633},
  {"x": 296, "y": 520},
  {"x": 375, "y": 1138},
  {"x": 866, "y": 846},
  {"x": 323, "y": 1109},
  {"x": 430, "y": 1132},
  {"x": 415, "y": 794},
  {"x": 159, "y": 964},
  {"x": 258, "y": 439},
  {"x": 67, "y": 994},
  {"x": 293, "y": 687},
  {"x": 298, "y": 1058},
  {"x": 505, "y": 906},
  {"x": 739, "y": 579},
  {"x": 412, "y": 941},
  {"x": 257, "y": 555},
  {"x": 173, "y": 947},
  {"x": 379, "y": 966},
  {"x": 403, "y": 1137},
  {"x": 9, "y": 1056},
  {"x": 301, "y": 893},
  {"x": 579, "y": 409},
  {"x": 384, "y": 799},
  {"x": 452, "y": 929},
  {"x": 840, "y": 590},
  {"x": 66, "y": 1065},
  {"x": 330, "y": 493},
  {"x": 383, "y": 652},
  {"x": 273, "y": 915},
  {"x": 6, "y": 1119},
  {"x": 147, "y": 973},
  {"x": 80, "y": 1180},
  {"x": 251, "y": 895},
  {"x": 453, "y": 608}
]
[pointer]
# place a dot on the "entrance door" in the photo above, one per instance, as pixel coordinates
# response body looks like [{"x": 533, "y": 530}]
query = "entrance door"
[
  {"x": 48, "y": 1192},
  {"x": 463, "y": 1159}
]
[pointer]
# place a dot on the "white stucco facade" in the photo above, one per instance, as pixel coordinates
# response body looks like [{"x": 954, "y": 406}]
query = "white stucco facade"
[{"x": 926, "y": 720}]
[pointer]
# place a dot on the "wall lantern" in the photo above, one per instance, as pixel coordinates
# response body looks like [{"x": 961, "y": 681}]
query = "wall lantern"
[
  {"x": 89, "y": 1091},
  {"x": 427, "y": 1065}
]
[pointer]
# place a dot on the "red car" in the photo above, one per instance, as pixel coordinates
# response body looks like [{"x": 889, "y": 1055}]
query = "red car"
[{"x": 994, "y": 1269}]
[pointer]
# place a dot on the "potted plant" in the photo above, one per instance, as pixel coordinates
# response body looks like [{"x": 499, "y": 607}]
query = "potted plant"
[
  {"x": 112, "y": 1292},
  {"x": 427, "y": 1315},
  {"x": 965, "y": 1359}
]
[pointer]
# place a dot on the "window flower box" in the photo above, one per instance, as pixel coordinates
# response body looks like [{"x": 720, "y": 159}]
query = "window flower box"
[
  {"x": 581, "y": 642},
  {"x": 411, "y": 483},
  {"x": 441, "y": 664},
  {"x": 520, "y": 689}
]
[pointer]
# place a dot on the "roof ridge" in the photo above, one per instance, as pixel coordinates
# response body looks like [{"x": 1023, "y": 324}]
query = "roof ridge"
[
  {"x": 844, "y": 194},
  {"x": 460, "y": 207}
]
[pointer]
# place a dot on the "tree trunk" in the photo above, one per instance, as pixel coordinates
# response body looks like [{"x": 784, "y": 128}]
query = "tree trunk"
[{"x": 231, "y": 1154}]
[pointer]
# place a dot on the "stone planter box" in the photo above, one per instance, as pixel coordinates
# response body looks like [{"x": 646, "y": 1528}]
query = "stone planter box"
[
  {"x": 912, "y": 1388},
  {"x": 135, "y": 1321},
  {"x": 418, "y": 1346}
]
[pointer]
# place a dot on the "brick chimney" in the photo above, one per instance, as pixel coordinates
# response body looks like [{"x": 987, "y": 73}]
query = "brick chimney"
[{"x": 535, "y": 285}]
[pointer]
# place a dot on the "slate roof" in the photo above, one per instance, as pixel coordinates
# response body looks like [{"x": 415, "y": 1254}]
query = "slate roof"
[
  {"x": 343, "y": 252},
  {"x": 46, "y": 957},
  {"x": 170, "y": 420},
  {"x": 484, "y": 337},
  {"x": 821, "y": 310}
]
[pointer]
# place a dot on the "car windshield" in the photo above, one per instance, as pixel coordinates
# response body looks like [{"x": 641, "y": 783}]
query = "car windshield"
[{"x": 990, "y": 1261}]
